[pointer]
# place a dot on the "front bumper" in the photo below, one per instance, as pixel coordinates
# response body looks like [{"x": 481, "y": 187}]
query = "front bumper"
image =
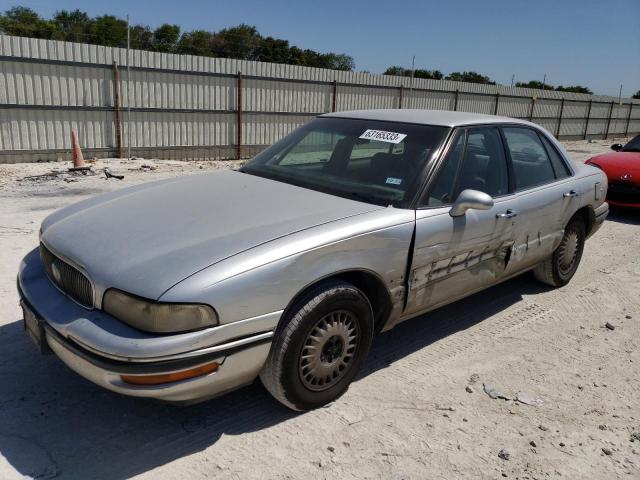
[
  {"x": 616, "y": 203},
  {"x": 101, "y": 348}
]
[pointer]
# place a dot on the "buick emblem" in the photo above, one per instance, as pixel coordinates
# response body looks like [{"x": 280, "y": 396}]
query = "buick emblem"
[
  {"x": 55, "y": 271},
  {"x": 625, "y": 176}
]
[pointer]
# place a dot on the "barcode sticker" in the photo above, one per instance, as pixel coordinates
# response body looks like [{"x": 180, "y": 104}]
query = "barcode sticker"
[{"x": 382, "y": 136}]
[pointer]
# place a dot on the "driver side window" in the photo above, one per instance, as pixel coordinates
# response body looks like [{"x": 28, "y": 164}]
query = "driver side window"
[
  {"x": 476, "y": 162},
  {"x": 441, "y": 192}
]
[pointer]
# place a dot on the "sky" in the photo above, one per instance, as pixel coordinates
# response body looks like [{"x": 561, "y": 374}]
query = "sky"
[{"x": 595, "y": 43}]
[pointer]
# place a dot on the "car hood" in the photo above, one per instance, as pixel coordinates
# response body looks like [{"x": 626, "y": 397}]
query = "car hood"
[
  {"x": 619, "y": 162},
  {"x": 147, "y": 238}
]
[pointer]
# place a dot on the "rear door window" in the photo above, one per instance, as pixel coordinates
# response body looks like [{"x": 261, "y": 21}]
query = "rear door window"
[
  {"x": 559, "y": 165},
  {"x": 529, "y": 159}
]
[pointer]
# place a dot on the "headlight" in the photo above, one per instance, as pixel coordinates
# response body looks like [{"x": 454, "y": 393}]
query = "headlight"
[{"x": 157, "y": 317}]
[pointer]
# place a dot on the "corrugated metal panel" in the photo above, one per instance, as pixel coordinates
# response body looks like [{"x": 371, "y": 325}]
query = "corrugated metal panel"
[
  {"x": 597, "y": 127},
  {"x": 272, "y": 96},
  {"x": 572, "y": 127},
  {"x": 363, "y": 98},
  {"x": 515, "y": 107},
  {"x": 476, "y": 104},
  {"x": 184, "y": 99},
  {"x": 24, "y": 129}
]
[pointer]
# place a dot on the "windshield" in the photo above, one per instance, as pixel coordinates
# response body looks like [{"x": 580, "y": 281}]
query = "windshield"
[
  {"x": 372, "y": 161},
  {"x": 633, "y": 145}
]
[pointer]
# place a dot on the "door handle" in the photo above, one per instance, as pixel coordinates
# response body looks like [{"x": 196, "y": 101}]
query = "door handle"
[
  {"x": 571, "y": 194},
  {"x": 508, "y": 214}
]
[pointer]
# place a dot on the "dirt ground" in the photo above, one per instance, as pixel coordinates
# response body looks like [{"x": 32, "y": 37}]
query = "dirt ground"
[{"x": 417, "y": 411}]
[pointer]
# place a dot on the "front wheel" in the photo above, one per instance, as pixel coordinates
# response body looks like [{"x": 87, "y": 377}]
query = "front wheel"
[
  {"x": 560, "y": 267},
  {"x": 319, "y": 347}
]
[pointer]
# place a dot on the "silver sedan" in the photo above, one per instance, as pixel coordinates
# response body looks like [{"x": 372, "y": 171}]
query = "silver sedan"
[{"x": 187, "y": 288}]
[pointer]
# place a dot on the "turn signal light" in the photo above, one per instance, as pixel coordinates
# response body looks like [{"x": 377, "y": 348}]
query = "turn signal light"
[{"x": 170, "y": 377}]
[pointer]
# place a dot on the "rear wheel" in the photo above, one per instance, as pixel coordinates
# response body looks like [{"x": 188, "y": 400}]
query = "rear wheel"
[
  {"x": 559, "y": 268},
  {"x": 320, "y": 346}
]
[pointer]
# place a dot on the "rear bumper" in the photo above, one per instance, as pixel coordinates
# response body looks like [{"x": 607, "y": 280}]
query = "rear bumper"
[
  {"x": 92, "y": 344},
  {"x": 600, "y": 214}
]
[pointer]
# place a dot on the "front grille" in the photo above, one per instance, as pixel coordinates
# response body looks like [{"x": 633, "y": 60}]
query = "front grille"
[
  {"x": 623, "y": 192},
  {"x": 67, "y": 278}
]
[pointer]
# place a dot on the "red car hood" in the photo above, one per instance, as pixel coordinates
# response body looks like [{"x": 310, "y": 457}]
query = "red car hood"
[{"x": 619, "y": 163}]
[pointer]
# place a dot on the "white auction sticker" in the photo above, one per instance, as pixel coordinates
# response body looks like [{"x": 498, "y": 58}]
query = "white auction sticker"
[{"x": 382, "y": 136}]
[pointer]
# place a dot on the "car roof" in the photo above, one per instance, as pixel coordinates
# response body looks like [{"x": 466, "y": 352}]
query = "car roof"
[{"x": 445, "y": 118}]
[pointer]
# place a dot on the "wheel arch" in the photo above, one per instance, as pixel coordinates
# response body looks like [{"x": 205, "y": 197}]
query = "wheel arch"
[
  {"x": 369, "y": 282},
  {"x": 588, "y": 216}
]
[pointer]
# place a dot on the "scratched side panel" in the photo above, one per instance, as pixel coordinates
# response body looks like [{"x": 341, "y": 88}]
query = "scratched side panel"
[{"x": 456, "y": 255}]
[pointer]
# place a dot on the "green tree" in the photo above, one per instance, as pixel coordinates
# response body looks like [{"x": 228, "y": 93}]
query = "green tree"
[
  {"x": 242, "y": 41},
  {"x": 575, "y": 89},
  {"x": 274, "y": 50},
  {"x": 339, "y": 61},
  {"x": 636, "y": 95},
  {"x": 165, "y": 38},
  {"x": 418, "y": 73},
  {"x": 197, "y": 42},
  {"x": 472, "y": 77},
  {"x": 108, "y": 30},
  {"x": 141, "y": 37},
  {"x": 71, "y": 26},
  {"x": 534, "y": 84},
  {"x": 24, "y": 22}
]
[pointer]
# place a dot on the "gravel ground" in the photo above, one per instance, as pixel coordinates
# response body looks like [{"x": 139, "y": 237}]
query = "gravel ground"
[{"x": 418, "y": 410}]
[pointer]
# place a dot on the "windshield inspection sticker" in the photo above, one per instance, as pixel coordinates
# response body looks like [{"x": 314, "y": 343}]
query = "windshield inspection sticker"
[
  {"x": 382, "y": 136},
  {"x": 393, "y": 180}
]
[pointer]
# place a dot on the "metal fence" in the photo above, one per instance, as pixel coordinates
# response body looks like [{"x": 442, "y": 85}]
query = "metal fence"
[{"x": 187, "y": 107}]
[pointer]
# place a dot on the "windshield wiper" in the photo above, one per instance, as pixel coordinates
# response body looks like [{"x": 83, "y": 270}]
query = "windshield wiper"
[{"x": 632, "y": 149}]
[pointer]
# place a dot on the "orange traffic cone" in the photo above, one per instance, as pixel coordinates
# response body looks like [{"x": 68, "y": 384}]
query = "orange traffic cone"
[{"x": 78, "y": 159}]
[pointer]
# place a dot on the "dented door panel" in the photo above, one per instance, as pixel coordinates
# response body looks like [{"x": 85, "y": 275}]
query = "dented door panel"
[
  {"x": 544, "y": 212},
  {"x": 456, "y": 255}
]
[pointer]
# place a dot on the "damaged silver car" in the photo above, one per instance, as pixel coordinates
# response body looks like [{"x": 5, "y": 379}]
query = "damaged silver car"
[{"x": 189, "y": 287}]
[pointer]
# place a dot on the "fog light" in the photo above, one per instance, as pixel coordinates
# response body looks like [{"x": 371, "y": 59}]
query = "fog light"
[{"x": 170, "y": 377}]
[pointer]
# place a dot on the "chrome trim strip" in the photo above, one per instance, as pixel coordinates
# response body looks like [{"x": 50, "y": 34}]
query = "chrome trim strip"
[{"x": 194, "y": 353}]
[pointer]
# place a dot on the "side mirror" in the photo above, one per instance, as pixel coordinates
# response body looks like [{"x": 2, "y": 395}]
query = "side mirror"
[
  {"x": 470, "y": 199},
  {"x": 617, "y": 147}
]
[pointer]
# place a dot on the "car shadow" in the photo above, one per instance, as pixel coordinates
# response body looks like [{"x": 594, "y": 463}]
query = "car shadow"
[
  {"x": 55, "y": 423},
  {"x": 630, "y": 216}
]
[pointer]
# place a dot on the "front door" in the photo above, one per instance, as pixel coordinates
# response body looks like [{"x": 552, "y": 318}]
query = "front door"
[{"x": 455, "y": 256}]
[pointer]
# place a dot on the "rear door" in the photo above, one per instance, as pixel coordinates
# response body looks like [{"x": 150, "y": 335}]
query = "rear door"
[
  {"x": 454, "y": 256},
  {"x": 543, "y": 185}
]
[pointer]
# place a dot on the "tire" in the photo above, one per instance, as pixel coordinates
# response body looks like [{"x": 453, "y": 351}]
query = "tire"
[
  {"x": 314, "y": 358},
  {"x": 559, "y": 268}
]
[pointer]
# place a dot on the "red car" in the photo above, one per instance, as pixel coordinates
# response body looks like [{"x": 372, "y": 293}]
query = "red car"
[{"x": 623, "y": 173}]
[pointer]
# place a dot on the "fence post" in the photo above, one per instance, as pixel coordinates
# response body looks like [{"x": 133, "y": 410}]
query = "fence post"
[
  {"x": 400, "y": 99},
  {"x": 586, "y": 123},
  {"x": 455, "y": 101},
  {"x": 116, "y": 107},
  {"x": 334, "y": 96},
  {"x": 495, "y": 108},
  {"x": 560, "y": 119},
  {"x": 626, "y": 128},
  {"x": 606, "y": 133},
  {"x": 533, "y": 106},
  {"x": 239, "y": 117}
]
